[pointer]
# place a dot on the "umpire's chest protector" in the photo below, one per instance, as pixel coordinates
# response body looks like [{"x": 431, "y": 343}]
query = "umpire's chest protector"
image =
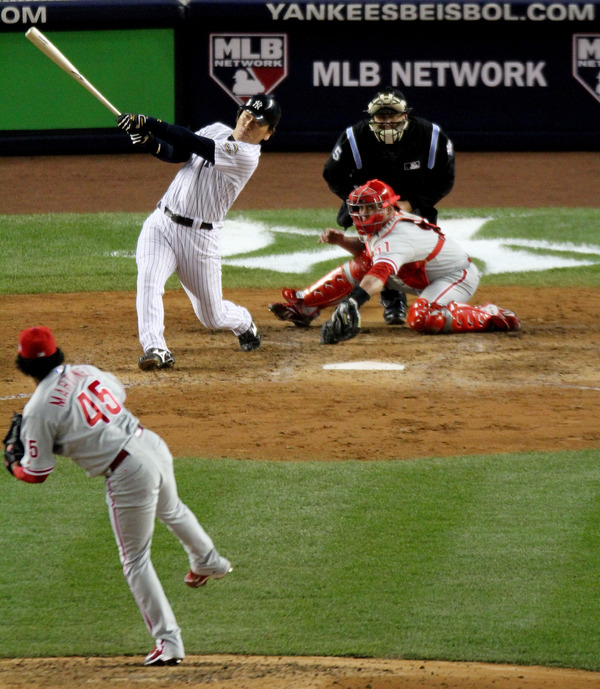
[{"x": 401, "y": 165}]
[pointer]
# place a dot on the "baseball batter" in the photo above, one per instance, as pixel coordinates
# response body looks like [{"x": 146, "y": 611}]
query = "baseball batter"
[
  {"x": 78, "y": 411},
  {"x": 417, "y": 256},
  {"x": 183, "y": 234}
]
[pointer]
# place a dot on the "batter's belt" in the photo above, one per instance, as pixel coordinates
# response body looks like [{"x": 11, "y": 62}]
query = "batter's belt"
[{"x": 181, "y": 220}]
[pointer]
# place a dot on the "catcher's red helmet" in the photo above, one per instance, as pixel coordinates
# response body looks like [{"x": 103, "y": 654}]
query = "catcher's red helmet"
[{"x": 366, "y": 205}]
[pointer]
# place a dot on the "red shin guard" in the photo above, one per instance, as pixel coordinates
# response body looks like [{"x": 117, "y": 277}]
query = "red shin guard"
[
  {"x": 460, "y": 318},
  {"x": 332, "y": 288}
]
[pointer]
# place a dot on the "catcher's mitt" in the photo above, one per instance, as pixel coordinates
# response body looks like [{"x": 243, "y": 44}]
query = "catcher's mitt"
[
  {"x": 344, "y": 323},
  {"x": 13, "y": 447}
]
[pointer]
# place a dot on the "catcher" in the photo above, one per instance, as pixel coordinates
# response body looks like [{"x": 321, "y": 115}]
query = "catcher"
[
  {"x": 414, "y": 156},
  {"x": 78, "y": 411},
  {"x": 414, "y": 254}
]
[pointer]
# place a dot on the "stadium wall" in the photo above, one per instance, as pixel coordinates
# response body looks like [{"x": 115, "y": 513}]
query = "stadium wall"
[{"x": 495, "y": 75}]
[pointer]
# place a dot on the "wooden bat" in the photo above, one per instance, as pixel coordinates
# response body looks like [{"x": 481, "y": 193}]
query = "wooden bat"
[{"x": 42, "y": 43}]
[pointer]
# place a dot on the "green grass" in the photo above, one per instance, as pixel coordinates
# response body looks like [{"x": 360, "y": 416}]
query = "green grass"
[
  {"x": 469, "y": 558},
  {"x": 491, "y": 558},
  {"x": 89, "y": 252},
  {"x": 67, "y": 252}
]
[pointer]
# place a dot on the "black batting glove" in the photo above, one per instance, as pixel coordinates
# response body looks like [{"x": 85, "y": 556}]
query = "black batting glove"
[
  {"x": 138, "y": 139},
  {"x": 131, "y": 123}
]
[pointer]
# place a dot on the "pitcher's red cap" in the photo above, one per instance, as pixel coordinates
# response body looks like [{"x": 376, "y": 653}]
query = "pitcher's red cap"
[{"x": 35, "y": 343}]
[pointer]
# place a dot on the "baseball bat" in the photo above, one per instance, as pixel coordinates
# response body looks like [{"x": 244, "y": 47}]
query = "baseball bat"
[{"x": 42, "y": 43}]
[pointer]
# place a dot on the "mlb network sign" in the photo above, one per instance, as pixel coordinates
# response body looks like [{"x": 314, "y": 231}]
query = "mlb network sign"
[
  {"x": 586, "y": 62},
  {"x": 247, "y": 64}
]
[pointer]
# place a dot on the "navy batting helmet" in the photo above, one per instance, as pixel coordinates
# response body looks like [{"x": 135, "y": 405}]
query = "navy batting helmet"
[{"x": 264, "y": 108}]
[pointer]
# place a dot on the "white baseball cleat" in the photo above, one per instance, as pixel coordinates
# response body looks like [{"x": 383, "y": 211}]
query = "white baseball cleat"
[
  {"x": 155, "y": 358},
  {"x": 160, "y": 656},
  {"x": 194, "y": 580}
]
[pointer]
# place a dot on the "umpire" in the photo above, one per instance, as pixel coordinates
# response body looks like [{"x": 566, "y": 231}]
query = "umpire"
[{"x": 412, "y": 155}]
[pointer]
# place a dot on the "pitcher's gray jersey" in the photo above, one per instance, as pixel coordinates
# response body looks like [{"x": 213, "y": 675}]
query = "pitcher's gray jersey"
[{"x": 78, "y": 412}]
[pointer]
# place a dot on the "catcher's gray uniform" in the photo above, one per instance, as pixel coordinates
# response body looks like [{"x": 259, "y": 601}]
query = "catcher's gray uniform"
[
  {"x": 423, "y": 261},
  {"x": 78, "y": 411}
]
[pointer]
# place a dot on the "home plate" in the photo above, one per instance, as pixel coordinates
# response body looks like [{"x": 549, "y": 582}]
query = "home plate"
[{"x": 364, "y": 366}]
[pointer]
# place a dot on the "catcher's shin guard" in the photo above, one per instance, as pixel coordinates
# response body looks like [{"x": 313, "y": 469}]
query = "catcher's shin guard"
[
  {"x": 501, "y": 319},
  {"x": 428, "y": 318},
  {"x": 336, "y": 285},
  {"x": 460, "y": 318}
]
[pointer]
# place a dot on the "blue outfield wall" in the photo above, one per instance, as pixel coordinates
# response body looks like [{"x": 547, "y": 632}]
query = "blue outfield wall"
[{"x": 494, "y": 75}]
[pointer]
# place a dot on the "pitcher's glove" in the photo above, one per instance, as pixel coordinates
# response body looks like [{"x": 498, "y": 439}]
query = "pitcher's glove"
[
  {"x": 13, "y": 447},
  {"x": 344, "y": 323}
]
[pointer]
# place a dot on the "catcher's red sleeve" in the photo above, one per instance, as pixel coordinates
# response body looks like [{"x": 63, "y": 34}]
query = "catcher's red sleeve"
[{"x": 381, "y": 270}]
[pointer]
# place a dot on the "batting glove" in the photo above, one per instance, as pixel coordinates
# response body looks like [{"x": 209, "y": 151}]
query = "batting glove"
[
  {"x": 137, "y": 139},
  {"x": 129, "y": 122}
]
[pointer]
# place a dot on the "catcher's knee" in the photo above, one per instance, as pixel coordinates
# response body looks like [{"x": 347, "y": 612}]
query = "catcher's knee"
[
  {"x": 357, "y": 267},
  {"x": 428, "y": 318}
]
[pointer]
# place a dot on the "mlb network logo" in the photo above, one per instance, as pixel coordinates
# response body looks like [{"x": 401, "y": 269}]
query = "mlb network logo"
[
  {"x": 586, "y": 62},
  {"x": 247, "y": 64}
]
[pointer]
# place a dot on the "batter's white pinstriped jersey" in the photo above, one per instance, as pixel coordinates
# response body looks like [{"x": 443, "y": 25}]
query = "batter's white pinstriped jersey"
[{"x": 205, "y": 192}]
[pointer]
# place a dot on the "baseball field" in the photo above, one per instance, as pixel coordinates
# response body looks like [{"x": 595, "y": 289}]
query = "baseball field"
[{"x": 431, "y": 526}]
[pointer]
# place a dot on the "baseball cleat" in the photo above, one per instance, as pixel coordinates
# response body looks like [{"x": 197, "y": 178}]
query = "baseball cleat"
[
  {"x": 155, "y": 358},
  {"x": 159, "y": 656},
  {"x": 394, "y": 306},
  {"x": 194, "y": 580},
  {"x": 251, "y": 339},
  {"x": 292, "y": 314},
  {"x": 291, "y": 295}
]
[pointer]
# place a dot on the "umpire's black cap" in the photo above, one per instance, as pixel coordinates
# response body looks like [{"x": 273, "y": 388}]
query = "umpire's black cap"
[{"x": 264, "y": 108}]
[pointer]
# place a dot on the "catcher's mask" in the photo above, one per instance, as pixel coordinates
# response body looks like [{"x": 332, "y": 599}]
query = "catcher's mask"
[
  {"x": 392, "y": 111},
  {"x": 265, "y": 109},
  {"x": 367, "y": 206}
]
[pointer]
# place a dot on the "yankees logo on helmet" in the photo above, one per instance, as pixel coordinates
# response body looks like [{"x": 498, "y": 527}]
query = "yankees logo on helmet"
[{"x": 265, "y": 109}]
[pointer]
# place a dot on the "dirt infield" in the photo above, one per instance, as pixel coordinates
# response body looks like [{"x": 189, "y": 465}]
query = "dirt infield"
[
  {"x": 134, "y": 183},
  {"x": 485, "y": 393}
]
